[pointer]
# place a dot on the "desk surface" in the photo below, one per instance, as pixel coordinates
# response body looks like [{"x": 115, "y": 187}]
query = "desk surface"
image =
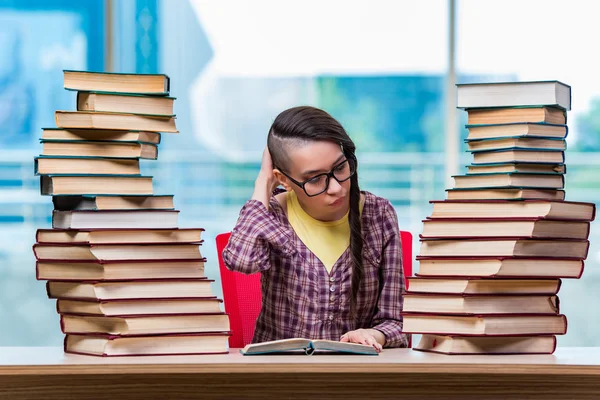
[{"x": 52, "y": 361}]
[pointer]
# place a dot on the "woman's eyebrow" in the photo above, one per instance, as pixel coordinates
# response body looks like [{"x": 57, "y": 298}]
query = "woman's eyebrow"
[{"x": 316, "y": 171}]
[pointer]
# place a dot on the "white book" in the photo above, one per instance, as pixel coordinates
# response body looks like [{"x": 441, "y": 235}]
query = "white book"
[
  {"x": 84, "y": 219},
  {"x": 514, "y": 94}
]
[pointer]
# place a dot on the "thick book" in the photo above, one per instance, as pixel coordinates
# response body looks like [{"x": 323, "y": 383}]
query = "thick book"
[
  {"x": 116, "y": 149},
  {"x": 69, "y": 165},
  {"x": 549, "y": 115},
  {"x": 515, "y": 194},
  {"x": 125, "y": 103},
  {"x": 509, "y": 179},
  {"x": 468, "y": 304},
  {"x": 115, "y": 219},
  {"x": 112, "y": 120},
  {"x": 525, "y": 130},
  {"x": 532, "y": 168},
  {"x": 73, "y": 184},
  {"x": 123, "y": 235},
  {"x": 163, "y": 345},
  {"x": 480, "y": 286},
  {"x": 99, "y": 135},
  {"x": 155, "y": 84},
  {"x": 466, "y": 345},
  {"x": 485, "y": 325},
  {"x": 515, "y": 142},
  {"x": 120, "y": 308},
  {"x": 120, "y": 270},
  {"x": 505, "y": 247},
  {"x": 93, "y": 202},
  {"x": 504, "y": 227},
  {"x": 99, "y": 291},
  {"x": 307, "y": 346},
  {"x": 145, "y": 324},
  {"x": 553, "y": 210},
  {"x": 519, "y": 155},
  {"x": 116, "y": 251},
  {"x": 514, "y": 94},
  {"x": 499, "y": 267}
]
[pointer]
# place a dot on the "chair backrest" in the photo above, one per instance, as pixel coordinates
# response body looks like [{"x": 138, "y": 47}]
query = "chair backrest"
[{"x": 243, "y": 298}]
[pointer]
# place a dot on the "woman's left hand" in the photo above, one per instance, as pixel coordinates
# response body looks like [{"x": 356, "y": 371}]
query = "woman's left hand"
[{"x": 365, "y": 336}]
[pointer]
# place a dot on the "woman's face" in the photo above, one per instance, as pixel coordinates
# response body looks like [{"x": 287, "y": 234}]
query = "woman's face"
[{"x": 309, "y": 160}]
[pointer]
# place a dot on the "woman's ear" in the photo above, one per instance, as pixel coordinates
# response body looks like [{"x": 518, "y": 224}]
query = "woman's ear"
[{"x": 282, "y": 179}]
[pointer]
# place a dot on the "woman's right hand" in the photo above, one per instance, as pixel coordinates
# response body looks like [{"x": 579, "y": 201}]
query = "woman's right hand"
[{"x": 265, "y": 182}]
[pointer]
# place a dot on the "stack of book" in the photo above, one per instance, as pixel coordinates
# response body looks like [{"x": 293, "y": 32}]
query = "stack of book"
[
  {"x": 127, "y": 280},
  {"x": 493, "y": 254}
]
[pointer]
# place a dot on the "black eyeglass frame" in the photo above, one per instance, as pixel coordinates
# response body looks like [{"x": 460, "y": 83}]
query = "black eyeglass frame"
[{"x": 329, "y": 175}]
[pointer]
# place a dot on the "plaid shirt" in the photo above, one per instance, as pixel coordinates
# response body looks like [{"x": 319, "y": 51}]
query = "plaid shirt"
[{"x": 300, "y": 299}]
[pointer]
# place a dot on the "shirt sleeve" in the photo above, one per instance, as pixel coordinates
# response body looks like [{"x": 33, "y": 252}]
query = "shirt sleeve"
[
  {"x": 256, "y": 233},
  {"x": 388, "y": 318}
]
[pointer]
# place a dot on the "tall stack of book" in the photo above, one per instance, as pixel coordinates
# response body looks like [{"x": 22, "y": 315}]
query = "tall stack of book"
[
  {"x": 494, "y": 252},
  {"x": 127, "y": 280}
]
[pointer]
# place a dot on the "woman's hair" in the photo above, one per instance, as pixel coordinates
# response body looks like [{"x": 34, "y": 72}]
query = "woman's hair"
[{"x": 299, "y": 125}]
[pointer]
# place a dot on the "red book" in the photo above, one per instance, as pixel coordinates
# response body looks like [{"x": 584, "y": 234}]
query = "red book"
[
  {"x": 499, "y": 267},
  {"x": 116, "y": 251},
  {"x": 482, "y": 286},
  {"x": 141, "y": 325},
  {"x": 162, "y": 345},
  {"x": 115, "y": 270},
  {"x": 130, "y": 290},
  {"x": 509, "y": 227},
  {"x": 546, "y": 209},
  {"x": 485, "y": 325},
  {"x": 123, "y": 235},
  {"x": 505, "y": 247},
  {"x": 462, "y": 345}
]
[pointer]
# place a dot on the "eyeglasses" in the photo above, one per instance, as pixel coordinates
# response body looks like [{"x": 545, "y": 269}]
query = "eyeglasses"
[{"x": 320, "y": 183}]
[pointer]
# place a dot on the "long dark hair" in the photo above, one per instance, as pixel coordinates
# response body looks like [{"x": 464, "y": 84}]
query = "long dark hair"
[{"x": 302, "y": 124}]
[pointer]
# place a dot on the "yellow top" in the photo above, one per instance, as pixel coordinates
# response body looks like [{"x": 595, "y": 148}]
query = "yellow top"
[{"x": 328, "y": 240}]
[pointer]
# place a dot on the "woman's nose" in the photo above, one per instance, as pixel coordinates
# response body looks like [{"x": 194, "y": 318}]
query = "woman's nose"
[{"x": 334, "y": 186}]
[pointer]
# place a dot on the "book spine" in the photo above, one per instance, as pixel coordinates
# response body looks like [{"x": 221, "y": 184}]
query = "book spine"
[
  {"x": 34, "y": 248},
  {"x": 558, "y": 286},
  {"x": 581, "y": 270}
]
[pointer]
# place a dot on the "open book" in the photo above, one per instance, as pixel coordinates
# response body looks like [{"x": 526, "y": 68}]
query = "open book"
[{"x": 307, "y": 346}]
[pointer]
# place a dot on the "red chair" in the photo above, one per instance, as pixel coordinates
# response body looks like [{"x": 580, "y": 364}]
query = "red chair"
[{"x": 243, "y": 298}]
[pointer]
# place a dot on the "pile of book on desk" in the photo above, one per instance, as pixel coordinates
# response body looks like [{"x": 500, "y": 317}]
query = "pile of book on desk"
[
  {"x": 127, "y": 280},
  {"x": 493, "y": 254}
]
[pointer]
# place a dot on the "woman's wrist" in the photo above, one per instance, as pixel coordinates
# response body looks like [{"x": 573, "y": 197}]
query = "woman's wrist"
[
  {"x": 378, "y": 335},
  {"x": 262, "y": 189}
]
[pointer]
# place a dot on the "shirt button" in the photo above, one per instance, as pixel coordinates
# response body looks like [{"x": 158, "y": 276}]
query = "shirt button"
[
  {"x": 332, "y": 289},
  {"x": 332, "y": 298},
  {"x": 331, "y": 317},
  {"x": 332, "y": 279}
]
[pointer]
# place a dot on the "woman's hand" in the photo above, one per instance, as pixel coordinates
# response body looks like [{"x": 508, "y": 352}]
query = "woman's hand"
[
  {"x": 265, "y": 182},
  {"x": 369, "y": 337}
]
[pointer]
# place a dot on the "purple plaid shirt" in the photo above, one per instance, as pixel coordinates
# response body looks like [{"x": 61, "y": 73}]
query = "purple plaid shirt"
[{"x": 300, "y": 299}]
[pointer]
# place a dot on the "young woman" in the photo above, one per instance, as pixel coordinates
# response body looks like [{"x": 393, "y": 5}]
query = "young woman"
[{"x": 329, "y": 254}]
